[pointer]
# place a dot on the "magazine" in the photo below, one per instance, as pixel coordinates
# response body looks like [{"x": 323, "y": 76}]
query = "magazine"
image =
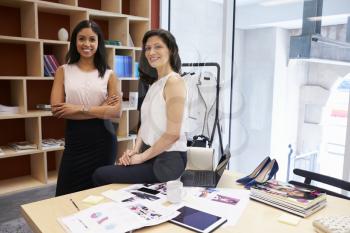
[
  {"x": 52, "y": 143},
  {"x": 288, "y": 193},
  {"x": 301, "y": 213},
  {"x": 114, "y": 218},
  {"x": 18, "y": 146},
  {"x": 8, "y": 109}
]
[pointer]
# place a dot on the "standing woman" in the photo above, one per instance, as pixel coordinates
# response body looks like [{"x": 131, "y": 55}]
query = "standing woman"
[
  {"x": 85, "y": 93},
  {"x": 159, "y": 154}
]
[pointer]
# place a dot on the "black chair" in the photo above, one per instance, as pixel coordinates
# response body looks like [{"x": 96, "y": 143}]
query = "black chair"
[{"x": 312, "y": 176}]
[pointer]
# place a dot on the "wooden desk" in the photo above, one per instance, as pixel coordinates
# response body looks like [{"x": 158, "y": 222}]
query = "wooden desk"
[{"x": 257, "y": 217}]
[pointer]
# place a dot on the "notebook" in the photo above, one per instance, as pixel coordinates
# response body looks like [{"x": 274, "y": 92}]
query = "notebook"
[{"x": 206, "y": 178}]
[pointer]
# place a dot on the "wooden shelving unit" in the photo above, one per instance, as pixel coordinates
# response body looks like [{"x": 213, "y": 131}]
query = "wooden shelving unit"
[{"x": 28, "y": 31}]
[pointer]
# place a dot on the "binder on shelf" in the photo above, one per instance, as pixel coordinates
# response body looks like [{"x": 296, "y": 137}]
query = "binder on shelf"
[
  {"x": 123, "y": 66},
  {"x": 118, "y": 65},
  {"x": 128, "y": 66},
  {"x": 50, "y": 65},
  {"x": 136, "y": 67}
]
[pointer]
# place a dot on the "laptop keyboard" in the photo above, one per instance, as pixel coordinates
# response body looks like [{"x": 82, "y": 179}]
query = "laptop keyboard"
[{"x": 204, "y": 177}]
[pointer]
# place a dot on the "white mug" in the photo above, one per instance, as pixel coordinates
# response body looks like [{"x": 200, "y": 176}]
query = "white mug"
[{"x": 175, "y": 191}]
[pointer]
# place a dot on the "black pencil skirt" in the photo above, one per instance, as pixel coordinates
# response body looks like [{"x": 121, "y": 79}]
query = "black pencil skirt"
[{"x": 89, "y": 144}]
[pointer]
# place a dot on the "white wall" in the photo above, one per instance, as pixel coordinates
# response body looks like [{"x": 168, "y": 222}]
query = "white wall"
[{"x": 197, "y": 27}]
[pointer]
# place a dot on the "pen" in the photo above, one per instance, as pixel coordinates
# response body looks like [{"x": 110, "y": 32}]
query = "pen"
[{"x": 75, "y": 204}]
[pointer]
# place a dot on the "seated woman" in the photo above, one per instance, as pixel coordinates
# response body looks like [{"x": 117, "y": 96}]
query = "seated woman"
[{"x": 159, "y": 154}]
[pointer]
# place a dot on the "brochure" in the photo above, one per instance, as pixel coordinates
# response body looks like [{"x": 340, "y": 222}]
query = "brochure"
[{"x": 112, "y": 217}]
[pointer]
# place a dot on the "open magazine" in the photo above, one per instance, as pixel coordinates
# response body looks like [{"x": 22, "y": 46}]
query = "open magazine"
[
  {"x": 134, "y": 207},
  {"x": 288, "y": 193},
  {"x": 114, "y": 218}
]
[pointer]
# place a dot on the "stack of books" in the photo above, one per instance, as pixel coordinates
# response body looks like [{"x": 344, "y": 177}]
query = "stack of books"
[
  {"x": 8, "y": 109},
  {"x": 19, "y": 146},
  {"x": 50, "y": 65},
  {"x": 113, "y": 42},
  {"x": 297, "y": 200},
  {"x": 52, "y": 143}
]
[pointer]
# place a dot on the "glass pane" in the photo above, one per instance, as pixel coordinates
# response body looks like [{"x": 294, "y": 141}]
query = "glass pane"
[{"x": 294, "y": 103}]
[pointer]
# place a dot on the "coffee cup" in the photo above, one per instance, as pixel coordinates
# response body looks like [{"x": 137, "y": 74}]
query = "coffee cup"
[{"x": 175, "y": 191}]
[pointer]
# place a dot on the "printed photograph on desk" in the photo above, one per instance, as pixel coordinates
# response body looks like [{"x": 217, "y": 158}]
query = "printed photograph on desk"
[
  {"x": 213, "y": 194},
  {"x": 161, "y": 187},
  {"x": 144, "y": 212}
]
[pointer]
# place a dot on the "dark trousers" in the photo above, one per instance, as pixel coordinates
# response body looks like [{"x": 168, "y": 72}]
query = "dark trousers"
[{"x": 164, "y": 167}]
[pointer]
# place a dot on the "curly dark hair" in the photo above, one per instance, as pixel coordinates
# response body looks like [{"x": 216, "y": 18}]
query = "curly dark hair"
[
  {"x": 100, "y": 56},
  {"x": 149, "y": 74}
]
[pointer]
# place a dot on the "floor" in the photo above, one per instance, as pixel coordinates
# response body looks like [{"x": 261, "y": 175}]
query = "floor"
[{"x": 11, "y": 220}]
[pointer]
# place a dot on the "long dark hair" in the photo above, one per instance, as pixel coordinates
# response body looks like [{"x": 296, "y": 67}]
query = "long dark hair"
[
  {"x": 100, "y": 56},
  {"x": 149, "y": 74}
]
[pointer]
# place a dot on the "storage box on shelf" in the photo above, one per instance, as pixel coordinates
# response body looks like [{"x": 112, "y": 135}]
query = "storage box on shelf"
[{"x": 28, "y": 32}]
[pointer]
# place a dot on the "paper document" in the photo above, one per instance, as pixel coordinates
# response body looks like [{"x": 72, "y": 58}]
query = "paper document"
[
  {"x": 214, "y": 200},
  {"x": 114, "y": 218}
]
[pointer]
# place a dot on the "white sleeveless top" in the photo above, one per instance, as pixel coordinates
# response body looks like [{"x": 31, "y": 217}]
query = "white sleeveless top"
[
  {"x": 85, "y": 87},
  {"x": 153, "y": 116}
]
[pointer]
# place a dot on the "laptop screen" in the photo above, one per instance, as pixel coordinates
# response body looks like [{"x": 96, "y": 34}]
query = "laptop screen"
[{"x": 225, "y": 158}]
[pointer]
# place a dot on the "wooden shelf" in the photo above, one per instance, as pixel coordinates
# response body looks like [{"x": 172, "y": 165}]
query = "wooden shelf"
[
  {"x": 28, "y": 31},
  {"x": 58, "y": 148},
  {"x": 52, "y": 177},
  {"x": 8, "y": 152},
  {"x": 19, "y": 183}
]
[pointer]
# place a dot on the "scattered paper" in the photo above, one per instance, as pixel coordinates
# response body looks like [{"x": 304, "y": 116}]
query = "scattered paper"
[{"x": 112, "y": 217}]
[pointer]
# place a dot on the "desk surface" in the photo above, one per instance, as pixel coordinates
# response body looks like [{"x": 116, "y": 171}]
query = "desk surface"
[{"x": 257, "y": 217}]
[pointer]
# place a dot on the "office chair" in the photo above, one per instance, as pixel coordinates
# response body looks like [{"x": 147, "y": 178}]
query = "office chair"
[{"x": 312, "y": 176}]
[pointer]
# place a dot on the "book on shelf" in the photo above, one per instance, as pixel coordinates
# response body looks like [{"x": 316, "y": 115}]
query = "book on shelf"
[
  {"x": 136, "y": 67},
  {"x": 130, "y": 41},
  {"x": 123, "y": 65},
  {"x": 45, "y": 107},
  {"x": 298, "y": 200},
  {"x": 8, "y": 109},
  {"x": 50, "y": 65},
  {"x": 52, "y": 143},
  {"x": 25, "y": 145},
  {"x": 113, "y": 42}
]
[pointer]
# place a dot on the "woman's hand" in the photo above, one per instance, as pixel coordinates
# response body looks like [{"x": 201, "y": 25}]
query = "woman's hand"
[
  {"x": 131, "y": 157},
  {"x": 137, "y": 159},
  {"x": 62, "y": 110},
  {"x": 111, "y": 100}
]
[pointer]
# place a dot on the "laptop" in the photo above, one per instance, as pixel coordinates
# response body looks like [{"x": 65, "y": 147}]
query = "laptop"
[{"x": 205, "y": 178}]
